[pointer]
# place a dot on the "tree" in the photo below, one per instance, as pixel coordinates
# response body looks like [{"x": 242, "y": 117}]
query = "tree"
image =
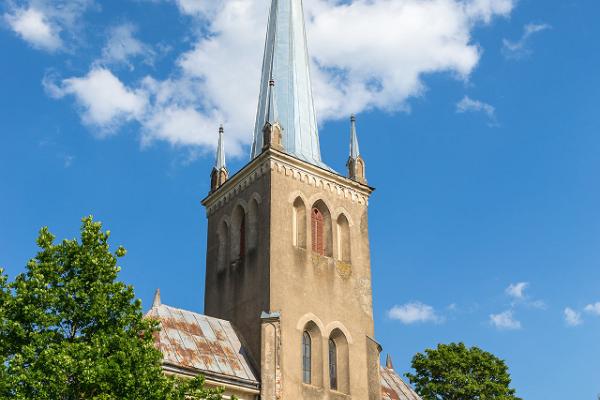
[
  {"x": 70, "y": 330},
  {"x": 455, "y": 372}
]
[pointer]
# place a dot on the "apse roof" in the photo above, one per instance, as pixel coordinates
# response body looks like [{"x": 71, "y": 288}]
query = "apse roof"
[
  {"x": 394, "y": 388},
  {"x": 204, "y": 344}
]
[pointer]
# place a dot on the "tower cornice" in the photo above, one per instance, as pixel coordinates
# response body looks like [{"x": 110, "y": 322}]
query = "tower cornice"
[{"x": 292, "y": 167}]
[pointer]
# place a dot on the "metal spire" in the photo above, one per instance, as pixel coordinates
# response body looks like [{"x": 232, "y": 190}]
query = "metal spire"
[
  {"x": 220, "y": 159},
  {"x": 286, "y": 62},
  {"x": 354, "y": 151},
  {"x": 272, "y": 105}
]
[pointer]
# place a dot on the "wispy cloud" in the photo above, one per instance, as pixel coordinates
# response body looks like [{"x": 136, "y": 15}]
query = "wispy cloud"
[
  {"x": 352, "y": 68},
  {"x": 505, "y": 321},
  {"x": 468, "y": 104},
  {"x": 517, "y": 290},
  {"x": 122, "y": 46},
  {"x": 572, "y": 317},
  {"x": 414, "y": 312},
  {"x": 520, "y": 48},
  {"x": 44, "y": 23},
  {"x": 593, "y": 308}
]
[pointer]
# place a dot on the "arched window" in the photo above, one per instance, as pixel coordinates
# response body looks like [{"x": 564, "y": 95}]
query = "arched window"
[
  {"x": 344, "y": 243},
  {"x": 222, "y": 257},
  {"x": 339, "y": 362},
  {"x": 321, "y": 229},
  {"x": 242, "y": 237},
  {"x": 333, "y": 369},
  {"x": 312, "y": 355},
  {"x": 299, "y": 224},
  {"x": 306, "y": 357},
  {"x": 252, "y": 239},
  {"x": 238, "y": 236},
  {"x": 317, "y": 232}
]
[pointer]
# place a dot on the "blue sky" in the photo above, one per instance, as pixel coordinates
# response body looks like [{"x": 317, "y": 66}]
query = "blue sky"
[{"x": 478, "y": 121}]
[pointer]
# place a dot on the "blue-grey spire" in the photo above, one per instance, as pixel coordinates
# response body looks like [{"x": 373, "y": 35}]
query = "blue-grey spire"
[
  {"x": 286, "y": 62},
  {"x": 354, "y": 151},
  {"x": 220, "y": 159},
  {"x": 272, "y": 116}
]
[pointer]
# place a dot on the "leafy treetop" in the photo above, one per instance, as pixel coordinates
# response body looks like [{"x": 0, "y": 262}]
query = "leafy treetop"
[
  {"x": 70, "y": 330},
  {"x": 455, "y": 372}
]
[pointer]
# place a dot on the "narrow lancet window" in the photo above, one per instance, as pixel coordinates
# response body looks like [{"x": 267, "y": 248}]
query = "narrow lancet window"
[
  {"x": 333, "y": 379},
  {"x": 317, "y": 232},
  {"x": 242, "y": 237},
  {"x": 306, "y": 358}
]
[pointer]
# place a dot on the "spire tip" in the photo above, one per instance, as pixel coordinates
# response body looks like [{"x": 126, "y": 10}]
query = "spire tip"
[
  {"x": 388, "y": 362},
  {"x": 156, "y": 302}
]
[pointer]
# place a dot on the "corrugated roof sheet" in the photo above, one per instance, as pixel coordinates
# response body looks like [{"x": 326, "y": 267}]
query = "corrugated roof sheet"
[
  {"x": 194, "y": 341},
  {"x": 394, "y": 388}
]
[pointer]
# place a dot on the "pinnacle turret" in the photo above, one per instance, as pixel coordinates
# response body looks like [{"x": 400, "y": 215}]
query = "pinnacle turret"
[
  {"x": 219, "y": 173},
  {"x": 355, "y": 164}
]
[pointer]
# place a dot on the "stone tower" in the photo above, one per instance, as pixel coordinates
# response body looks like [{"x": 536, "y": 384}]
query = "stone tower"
[{"x": 288, "y": 258}]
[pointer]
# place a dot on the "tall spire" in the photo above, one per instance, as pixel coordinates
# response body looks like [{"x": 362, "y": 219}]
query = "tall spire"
[{"x": 286, "y": 62}]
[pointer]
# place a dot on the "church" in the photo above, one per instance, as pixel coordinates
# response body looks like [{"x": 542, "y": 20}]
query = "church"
[{"x": 288, "y": 298}]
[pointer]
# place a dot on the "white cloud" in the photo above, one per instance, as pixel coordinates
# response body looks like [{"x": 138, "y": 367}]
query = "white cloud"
[
  {"x": 122, "y": 45},
  {"x": 41, "y": 23},
  {"x": 33, "y": 26},
  {"x": 517, "y": 290},
  {"x": 572, "y": 317},
  {"x": 198, "y": 7},
  {"x": 505, "y": 320},
  {"x": 415, "y": 312},
  {"x": 357, "y": 64},
  {"x": 105, "y": 101},
  {"x": 519, "y": 49},
  {"x": 467, "y": 104},
  {"x": 593, "y": 308}
]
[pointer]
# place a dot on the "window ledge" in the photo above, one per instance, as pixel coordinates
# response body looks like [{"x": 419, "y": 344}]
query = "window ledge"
[{"x": 310, "y": 386}]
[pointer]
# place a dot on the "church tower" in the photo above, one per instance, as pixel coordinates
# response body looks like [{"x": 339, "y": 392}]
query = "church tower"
[{"x": 288, "y": 258}]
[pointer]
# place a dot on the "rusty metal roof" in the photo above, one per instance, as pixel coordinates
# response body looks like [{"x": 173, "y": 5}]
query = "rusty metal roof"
[
  {"x": 201, "y": 344},
  {"x": 394, "y": 388}
]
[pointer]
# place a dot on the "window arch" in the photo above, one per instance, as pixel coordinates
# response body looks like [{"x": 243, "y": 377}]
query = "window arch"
[
  {"x": 344, "y": 243},
  {"x": 299, "y": 224},
  {"x": 339, "y": 362},
  {"x": 321, "y": 234},
  {"x": 312, "y": 355},
  {"x": 306, "y": 357}
]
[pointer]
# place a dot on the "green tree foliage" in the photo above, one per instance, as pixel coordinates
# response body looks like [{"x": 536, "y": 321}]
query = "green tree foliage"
[
  {"x": 455, "y": 372},
  {"x": 69, "y": 330}
]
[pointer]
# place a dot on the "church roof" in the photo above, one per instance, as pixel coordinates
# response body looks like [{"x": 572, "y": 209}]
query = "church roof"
[
  {"x": 394, "y": 388},
  {"x": 286, "y": 62},
  {"x": 193, "y": 343}
]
